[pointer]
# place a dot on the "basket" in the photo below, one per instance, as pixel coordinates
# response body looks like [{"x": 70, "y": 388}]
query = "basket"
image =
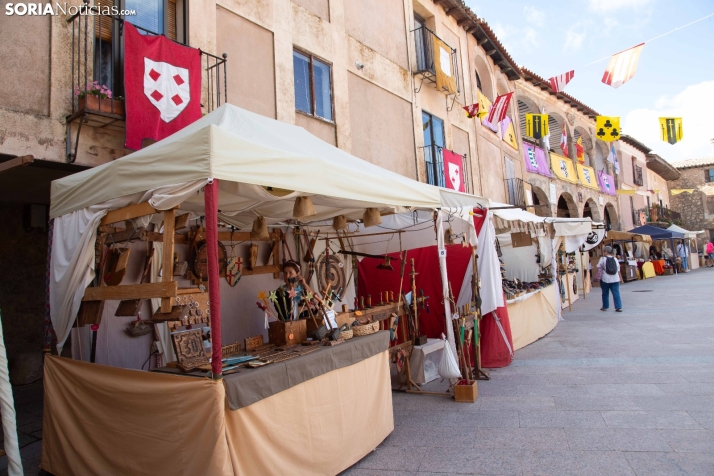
[
  {"x": 366, "y": 329},
  {"x": 346, "y": 334}
]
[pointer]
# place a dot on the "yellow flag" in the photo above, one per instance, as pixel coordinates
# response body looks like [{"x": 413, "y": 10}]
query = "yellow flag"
[
  {"x": 443, "y": 63},
  {"x": 536, "y": 125},
  {"x": 671, "y": 129},
  {"x": 483, "y": 105},
  {"x": 509, "y": 136},
  {"x": 607, "y": 128}
]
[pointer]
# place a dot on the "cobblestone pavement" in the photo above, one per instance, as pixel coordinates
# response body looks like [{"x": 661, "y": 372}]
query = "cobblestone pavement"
[{"x": 603, "y": 394}]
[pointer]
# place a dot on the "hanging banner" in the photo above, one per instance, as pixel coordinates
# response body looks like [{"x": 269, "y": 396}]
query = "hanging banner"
[
  {"x": 508, "y": 133},
  {"x": 472, "y": 110},
  {"x": 587, "y": 176},
  {"x": 453, "y": 170},
  {"x": 499, "y": 109},
  {"x": 579, "y": 150},
  {"x": 484, "y": 117},
  {"x": 445, "y": 75},
  {"x": 483, "y": 104},
  {"x": 607, "y": 183},
  {"x": 594, "y": 238},
  {"x": 671, "y": 128},
  {"x": 563, "y": 168},
  {"x": 564, "y": 141},
  {"x": 535, "y": 160},
  {"x": 536, "y": 125},
  {"x": 622, "y": 66},
  {"x": 607, "y": 128},
  {"x": 162, "y": 86},
  {"x": 558, "y": 83}
]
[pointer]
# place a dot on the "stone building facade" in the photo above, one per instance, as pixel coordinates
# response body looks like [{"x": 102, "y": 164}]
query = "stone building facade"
[{"x": 692, "y": 195}]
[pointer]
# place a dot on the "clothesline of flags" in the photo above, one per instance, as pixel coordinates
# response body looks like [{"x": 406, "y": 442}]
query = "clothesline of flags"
[{"x": 620, "y": 69}]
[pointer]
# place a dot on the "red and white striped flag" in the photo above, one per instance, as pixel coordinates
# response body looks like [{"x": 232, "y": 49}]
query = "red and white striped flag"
[
  {"x": 499, "y": 108},
  {"x": 471, "y": 111},
  {"x": 564, "y": 141},
  {"x": 622, "y": 66},
  {"x": 558, "y": 83}
]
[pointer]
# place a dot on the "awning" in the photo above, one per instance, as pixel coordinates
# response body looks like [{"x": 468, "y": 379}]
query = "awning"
[
  {"x": 613, "y": 235},
  {"x": 263, "y": 165},
  {"x": 686, "y": 233},
  {"x": 563, "y": 168},
  {"x": 587, "y": 176},
  {"x": 563, "y": 226}
]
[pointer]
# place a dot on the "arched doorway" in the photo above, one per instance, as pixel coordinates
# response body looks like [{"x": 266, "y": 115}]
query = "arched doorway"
[
  {"x": 540, "y": 202},
  {"x": 612, "y": 222},
  {"x": 566, "y": 206},
  {"x": 591, "y": 210}
]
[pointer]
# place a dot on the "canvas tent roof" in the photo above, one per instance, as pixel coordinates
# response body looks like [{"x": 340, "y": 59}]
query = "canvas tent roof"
[
  {"x": 686, "y": 233},
  {"x": 656, "y": 233},
  {"x": 563, "y": 226},
  {"x": 613, "y": 235},
  {"x": 262, "y": 165}
]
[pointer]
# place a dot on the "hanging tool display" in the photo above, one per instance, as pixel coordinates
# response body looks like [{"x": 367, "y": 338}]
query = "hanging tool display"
[
  {"x": 419, "y": 338},
  {"x": 387, "y": 265}
]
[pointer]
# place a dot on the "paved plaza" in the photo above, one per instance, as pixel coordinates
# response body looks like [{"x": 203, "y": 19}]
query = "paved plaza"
[{"x": 604, "y": 394}]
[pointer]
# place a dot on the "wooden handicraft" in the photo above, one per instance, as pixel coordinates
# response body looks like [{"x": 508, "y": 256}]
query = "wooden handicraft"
[
  {"x": 115, "y": 267},
  {"x": 200, "y": 262},
  {"x": 287, "y": 333},
  {"x": 190, "y": 353}
]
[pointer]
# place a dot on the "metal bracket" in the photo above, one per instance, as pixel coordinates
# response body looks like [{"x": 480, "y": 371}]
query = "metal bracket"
[
  {"x": 448, "y": 109},
  {"x": 72, "y": 156}
]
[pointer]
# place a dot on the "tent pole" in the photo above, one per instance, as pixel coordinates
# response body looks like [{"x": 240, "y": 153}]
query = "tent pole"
[{"x": 214, "y": 287}]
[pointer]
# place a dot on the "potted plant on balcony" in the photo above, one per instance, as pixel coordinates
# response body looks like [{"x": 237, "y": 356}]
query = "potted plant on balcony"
[
  {"x": 98, "y": 97},
  {"x": 654, "y": 212}
]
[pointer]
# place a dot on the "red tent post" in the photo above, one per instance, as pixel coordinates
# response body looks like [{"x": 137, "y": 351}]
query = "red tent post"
[{"x": 214, "y": 285}]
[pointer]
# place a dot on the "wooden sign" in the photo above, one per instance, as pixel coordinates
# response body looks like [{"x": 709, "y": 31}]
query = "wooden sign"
[{"x": 188, "y": 345}]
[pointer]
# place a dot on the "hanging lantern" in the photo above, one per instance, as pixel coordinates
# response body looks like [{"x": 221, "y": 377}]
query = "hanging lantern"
[
  {"x": 371, "y": 217},
  {"x": 260, "y": 229},
  {"x": 303, "y": 208},
  {"x": 339, "y": 223}
]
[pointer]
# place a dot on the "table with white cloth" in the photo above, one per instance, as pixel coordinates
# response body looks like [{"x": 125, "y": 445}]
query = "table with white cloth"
[{"x": 533, "y": 315}]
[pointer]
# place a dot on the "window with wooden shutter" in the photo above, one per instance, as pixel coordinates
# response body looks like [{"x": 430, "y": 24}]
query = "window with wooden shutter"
[
  {"x": 103, "y": 23},
  {"x": 171, "y": 28}
]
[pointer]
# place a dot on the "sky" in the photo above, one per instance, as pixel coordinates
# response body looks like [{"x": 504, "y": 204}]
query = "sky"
[{"x": 675, "y": 75}]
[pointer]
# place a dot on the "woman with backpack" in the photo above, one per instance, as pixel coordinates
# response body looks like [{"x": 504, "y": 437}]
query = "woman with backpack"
[{"x": 609, "y": 275}]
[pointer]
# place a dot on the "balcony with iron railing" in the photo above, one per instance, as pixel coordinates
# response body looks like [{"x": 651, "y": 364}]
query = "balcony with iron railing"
[
  {"x": 425, "y": 66},
  {"x": 516, "y": 192},
  {"x": 97, "y": 72},
  {"x": 655, "y": 214},
  {"x": 435, "y": 175}
]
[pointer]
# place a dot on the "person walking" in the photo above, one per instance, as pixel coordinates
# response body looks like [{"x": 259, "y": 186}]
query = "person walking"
[
  {"x": 609, "y": 274},
  {"x": 709, "y": 254},
  {"x": 683, "y": 253}
]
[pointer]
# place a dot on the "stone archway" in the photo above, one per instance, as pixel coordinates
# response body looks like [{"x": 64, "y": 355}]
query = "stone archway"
[
  {"x": 612, "y": 221},
  {"x": 591, "y": 210},
  {"x": 541, "y": 204},
  {"x": 567, "y": 207}
]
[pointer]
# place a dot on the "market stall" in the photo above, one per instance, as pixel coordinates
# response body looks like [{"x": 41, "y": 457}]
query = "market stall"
[
  {"x": 242, "y": 171},
  {"x": 538, "y": 264},
  {"x": 691, "y": 237},
  {"x": 631, "y": 251},
  {"x": 664, "y": 241}
]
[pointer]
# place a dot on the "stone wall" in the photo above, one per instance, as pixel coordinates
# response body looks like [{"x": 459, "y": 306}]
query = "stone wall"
[{"x": 692, "y": 206}]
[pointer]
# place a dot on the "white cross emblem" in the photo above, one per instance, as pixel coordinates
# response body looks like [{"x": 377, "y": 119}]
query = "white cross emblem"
[{"x": 167, "y": 88}]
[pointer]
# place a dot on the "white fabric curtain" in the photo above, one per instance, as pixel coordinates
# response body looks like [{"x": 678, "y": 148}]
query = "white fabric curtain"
[
  {"x": 7, "y": 410},
  {"x": 72, "y": 267},
  {"x": 489, "y": 268},
  {"x": 444, "y": 280}
]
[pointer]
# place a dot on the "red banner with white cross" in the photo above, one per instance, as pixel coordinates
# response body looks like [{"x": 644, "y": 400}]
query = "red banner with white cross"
[{"x": 162, "y": 86}]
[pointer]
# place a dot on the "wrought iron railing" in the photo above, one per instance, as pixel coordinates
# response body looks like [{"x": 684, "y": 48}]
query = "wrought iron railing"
[
  {"x": 663, "y": 214},
  {"x": 97, "y": 71},
  {"x": 435, "y": 175},
  {"x": 424, "y": 47}
]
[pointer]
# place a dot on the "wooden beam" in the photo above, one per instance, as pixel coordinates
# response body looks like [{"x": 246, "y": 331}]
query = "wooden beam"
[
  {"x": 131, "y": 291},
  {"x": 124, "y": 235},
  {"x": 481, "y": 41},
  {"x": 128, "y": 213},
  {"x": 16, "y": 162},
  {"x": 463, "y": 21},
  {"x": 167, "y": 274},
  {"x": 271, "y": 268},
  {"x": 490, "y": 52}
]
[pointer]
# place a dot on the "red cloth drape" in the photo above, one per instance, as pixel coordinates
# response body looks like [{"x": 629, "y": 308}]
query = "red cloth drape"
[
  {"x": 426, "y": 260},
  {"x": 214, "y": 287},
  {"x": 494, "y": 350}
]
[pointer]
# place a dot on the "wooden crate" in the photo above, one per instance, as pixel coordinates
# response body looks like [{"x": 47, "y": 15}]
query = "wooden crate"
[
  {"x": 466, "y": 393},
  {"x": 287, "y": 333}
]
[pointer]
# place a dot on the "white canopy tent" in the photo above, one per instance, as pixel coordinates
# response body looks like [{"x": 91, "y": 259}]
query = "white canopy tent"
[
  {"x": 692, "y": 235},
  {"x": 262, "y": 166}
]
